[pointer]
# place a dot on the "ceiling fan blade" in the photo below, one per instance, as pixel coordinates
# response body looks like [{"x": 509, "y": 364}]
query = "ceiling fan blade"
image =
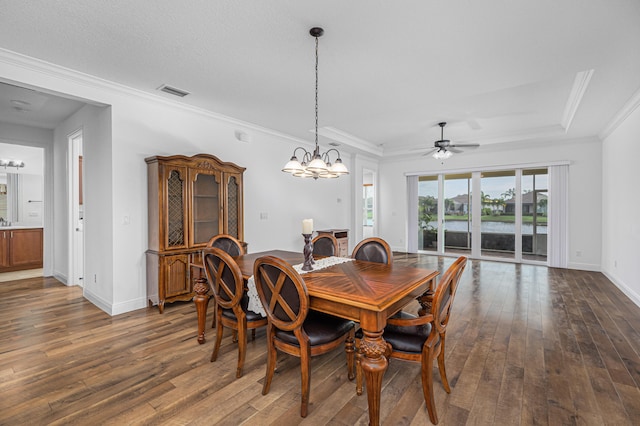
[
  {"x": 465, "y": 145},
  {"x": 455, "y": 150}
]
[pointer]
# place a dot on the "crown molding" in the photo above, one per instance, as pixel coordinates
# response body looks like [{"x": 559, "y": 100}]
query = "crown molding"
[
  {"x": 90, "y": 81},
  {"x": 350, "y": 140},
  {"x": 580, "y": 84},
  {"x": 621, "y": 116}
]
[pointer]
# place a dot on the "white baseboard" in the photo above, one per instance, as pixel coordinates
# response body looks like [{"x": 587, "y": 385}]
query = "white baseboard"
[
  {"x": 117, "y": 308},
  {"x": 97, "y": 300},
  {"x": 584, "y": 266},
  {"x": 128, "y": 306},
  {"x": 631, "y": 294},
  {"x": 60, "y": 277}
]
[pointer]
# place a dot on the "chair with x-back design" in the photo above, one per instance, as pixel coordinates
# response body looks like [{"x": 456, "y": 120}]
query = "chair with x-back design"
[
  {"x": 227, "y": 284},
  {"x": 293, "y": 327},
  {"x": 231, "y": 245},
  {"x": 373, "y": 249},
  {"x": 421, "y": 338},
  {"x": 325, "y": 245}
]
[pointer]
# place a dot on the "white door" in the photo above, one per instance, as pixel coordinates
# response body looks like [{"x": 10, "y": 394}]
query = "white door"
[{"x": 76, "y": 250}]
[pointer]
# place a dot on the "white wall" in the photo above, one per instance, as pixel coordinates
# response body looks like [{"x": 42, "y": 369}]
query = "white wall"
[
  {"x": 585, "y": 190},
  {"x": 620, "y": 207},
  {"x": 95, "y": 123},
  {"x": 142, "y": 129}
]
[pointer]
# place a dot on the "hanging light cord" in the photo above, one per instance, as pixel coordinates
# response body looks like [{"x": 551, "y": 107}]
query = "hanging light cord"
[{"x": 316, "y": 93}]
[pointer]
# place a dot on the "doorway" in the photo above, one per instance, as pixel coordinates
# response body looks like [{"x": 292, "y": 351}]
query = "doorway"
[
  {"x": 368, "y": 203},
  {"x": 76, "y": 207}
]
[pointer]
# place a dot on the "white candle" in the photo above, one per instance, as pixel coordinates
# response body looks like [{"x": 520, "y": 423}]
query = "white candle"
[{"x": 307, "y": 226}]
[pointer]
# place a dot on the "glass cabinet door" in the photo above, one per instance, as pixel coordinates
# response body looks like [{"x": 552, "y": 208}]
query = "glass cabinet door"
[
  {"x": 176, "y": 205},
  {"x": 233, "y": 203},
  {"x": 206, "y": 215}
]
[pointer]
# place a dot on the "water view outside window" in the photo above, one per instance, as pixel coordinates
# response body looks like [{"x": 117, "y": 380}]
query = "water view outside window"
[
  {"x": 457, "y": 213},
  {"x": 499, "y": 203},
  {"x": 428, "y": 213},
  {"x": 534, "y": 214},
  {"x": 498, "y": 233}
]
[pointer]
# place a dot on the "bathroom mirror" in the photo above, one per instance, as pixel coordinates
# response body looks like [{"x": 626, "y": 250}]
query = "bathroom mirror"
[{"x": 21, "y": 199}]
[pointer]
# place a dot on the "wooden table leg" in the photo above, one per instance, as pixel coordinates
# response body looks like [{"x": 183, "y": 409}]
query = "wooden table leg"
[
  {"x": 374, "y": 363},
  {"x": 426, "y": 299},
  {"x": 201, "y": 299}
]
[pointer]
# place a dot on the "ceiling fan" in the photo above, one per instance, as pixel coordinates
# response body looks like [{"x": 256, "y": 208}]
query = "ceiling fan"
[{"x": 444, "y": 149}]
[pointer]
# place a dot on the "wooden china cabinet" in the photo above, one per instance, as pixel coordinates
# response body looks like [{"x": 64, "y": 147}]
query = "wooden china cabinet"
[{"x": 190, "y": 200}]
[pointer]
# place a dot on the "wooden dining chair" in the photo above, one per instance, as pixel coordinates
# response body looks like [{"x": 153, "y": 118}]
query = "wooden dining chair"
[
  {"x": 231, "y": 245},
  {"x": 293, "y": 328},
  {"x": 227, "y": 284},
  {"x": 421, "y": 338},
  {"x": 227, "y": 243},
  {"x": 325, "y": 245},
  {"x": 373, "y": 249}
]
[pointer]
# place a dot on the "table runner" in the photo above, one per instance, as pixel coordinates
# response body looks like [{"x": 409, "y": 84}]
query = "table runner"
[{"x": 254, "y": 300}]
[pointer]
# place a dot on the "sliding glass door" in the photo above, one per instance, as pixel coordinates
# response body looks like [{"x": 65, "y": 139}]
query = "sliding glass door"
[
  {"x": 507, "y": 219},
  {"x": 534, "y": 214},
  {"x": 428, "y": 213},
  {"x": 498, "y": 228},
  {"x": 457, "y": 213}
]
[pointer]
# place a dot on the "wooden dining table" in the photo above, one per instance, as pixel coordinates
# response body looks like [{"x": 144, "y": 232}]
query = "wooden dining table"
[{"x": 365, "y": 292}]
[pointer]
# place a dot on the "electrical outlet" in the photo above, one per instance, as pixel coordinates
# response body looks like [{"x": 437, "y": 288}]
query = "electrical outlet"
[
  {"x": 579, "y": 253},
  {"x": 264, "y": 215}
]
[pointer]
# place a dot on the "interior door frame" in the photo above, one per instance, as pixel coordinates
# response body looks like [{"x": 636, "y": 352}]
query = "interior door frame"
[{"x": 76, "y": 214}]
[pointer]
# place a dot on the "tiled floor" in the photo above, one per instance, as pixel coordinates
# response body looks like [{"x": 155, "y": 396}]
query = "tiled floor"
[{"x": 18, "y": 275}]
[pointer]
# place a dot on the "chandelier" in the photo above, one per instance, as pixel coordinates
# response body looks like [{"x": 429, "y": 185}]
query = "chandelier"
[{"x": 315, "y": 164}]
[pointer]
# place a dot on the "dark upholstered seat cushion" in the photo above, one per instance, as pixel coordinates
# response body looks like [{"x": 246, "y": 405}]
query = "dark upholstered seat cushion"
[
  {"x": 251, "y": 316},
  {"x": 404, "y": 339},
  {"x": 321, "y": 328},
  {"x": 372, "y": 252},
  {"x": 324, "y": 247}
]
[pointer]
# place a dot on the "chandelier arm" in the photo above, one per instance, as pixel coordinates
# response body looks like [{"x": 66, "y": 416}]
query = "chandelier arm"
[{"x": 332, "y": 149}]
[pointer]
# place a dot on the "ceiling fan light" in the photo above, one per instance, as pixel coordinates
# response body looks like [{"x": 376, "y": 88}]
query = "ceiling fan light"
[{"x": 442, "y": 154}]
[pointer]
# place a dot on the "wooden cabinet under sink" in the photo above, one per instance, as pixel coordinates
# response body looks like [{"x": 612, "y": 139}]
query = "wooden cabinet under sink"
[{"x": 20, "y": 249}]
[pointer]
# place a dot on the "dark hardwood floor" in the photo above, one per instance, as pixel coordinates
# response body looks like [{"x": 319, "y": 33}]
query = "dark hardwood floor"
[{"x": 526, "y": 345}]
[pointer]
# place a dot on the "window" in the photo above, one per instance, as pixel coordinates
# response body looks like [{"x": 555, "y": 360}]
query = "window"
[
  {"x": 457, "y": 213},
  {"x": 367, "y": 195},
  {"x": 428, "y": 213},
  {"x": 497, "y": 229},
  {"x": 534, "y": 214},
  {"x": 507, "y": 220}
]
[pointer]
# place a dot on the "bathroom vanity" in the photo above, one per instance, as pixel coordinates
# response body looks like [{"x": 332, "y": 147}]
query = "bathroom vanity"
[{"x": 20, "y": 248}]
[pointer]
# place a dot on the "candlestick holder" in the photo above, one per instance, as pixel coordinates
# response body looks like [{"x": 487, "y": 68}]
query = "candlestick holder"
[{"x": 308, "y": 253}]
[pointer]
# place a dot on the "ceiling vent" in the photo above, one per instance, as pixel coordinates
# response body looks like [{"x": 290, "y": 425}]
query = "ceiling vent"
[{"x": 173, "y": 91}]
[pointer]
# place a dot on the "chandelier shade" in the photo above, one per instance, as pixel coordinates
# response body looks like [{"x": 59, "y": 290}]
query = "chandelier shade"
[{"x": 315, "y": 164}]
